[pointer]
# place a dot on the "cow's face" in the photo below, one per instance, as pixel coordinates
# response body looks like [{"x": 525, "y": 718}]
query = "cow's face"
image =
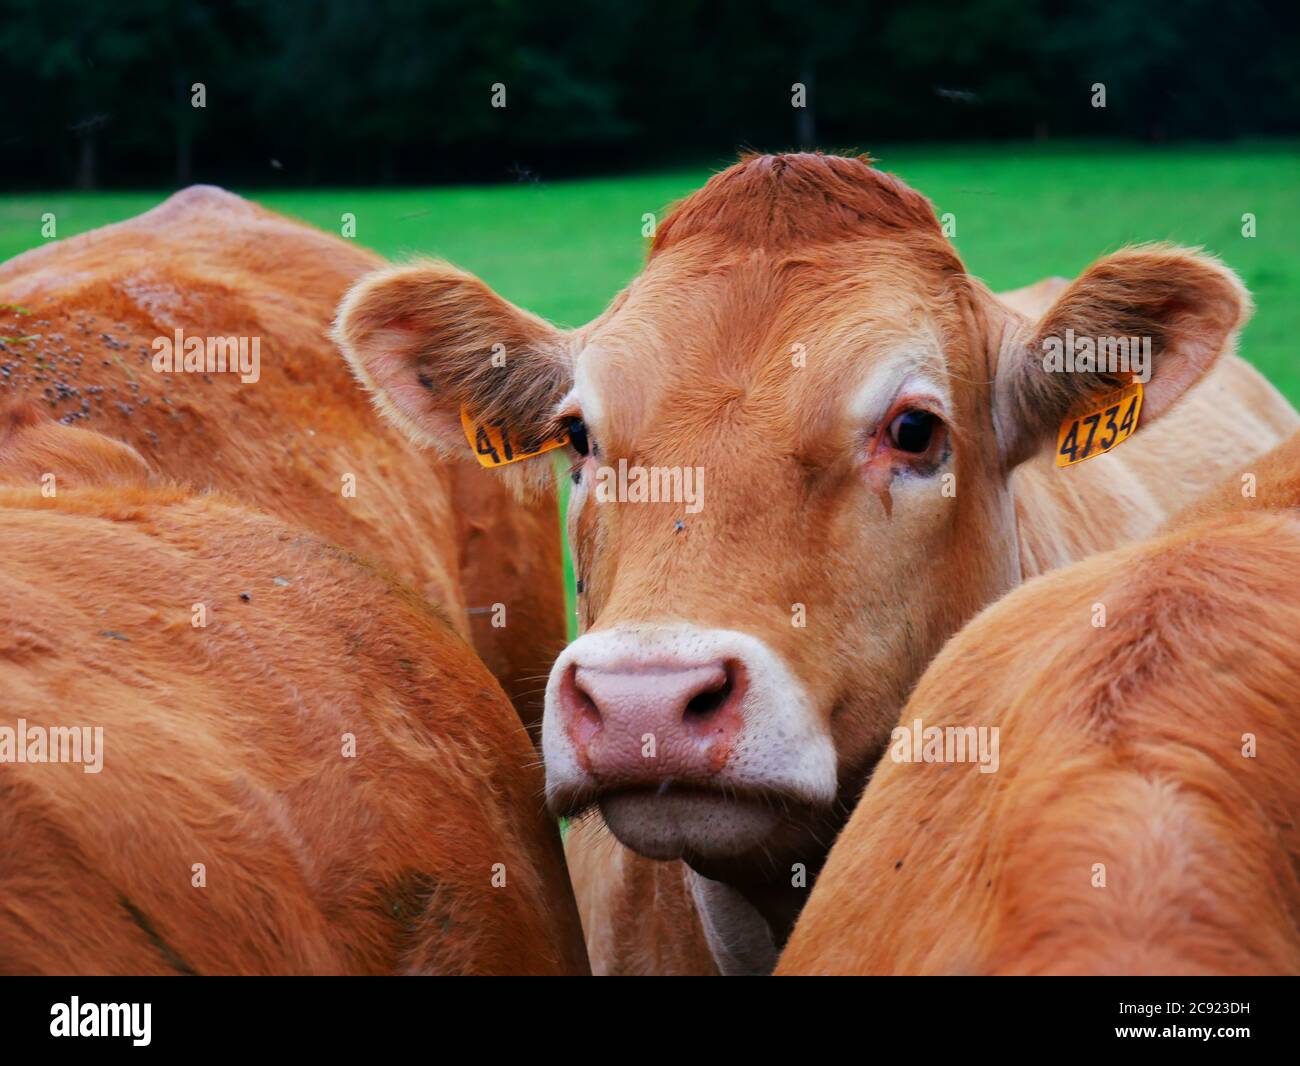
[
  {"x": 746, "y": 650},
  {"x": 833, "y": 409}
]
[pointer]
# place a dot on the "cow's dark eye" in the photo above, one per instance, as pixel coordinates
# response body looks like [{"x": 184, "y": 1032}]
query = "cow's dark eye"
[
  {"x": 578, "y": 436},
  {"x": 912, "y": 431}
]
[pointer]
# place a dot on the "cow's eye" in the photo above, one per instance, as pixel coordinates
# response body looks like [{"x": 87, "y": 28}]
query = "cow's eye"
[
  {"x": 578, "y": 436},
  {"x": 913, "y": 430}
]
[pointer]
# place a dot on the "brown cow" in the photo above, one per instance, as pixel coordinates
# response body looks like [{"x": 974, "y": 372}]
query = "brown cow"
[
  {"x": 1032, "y": 301},
  {"x": 284, "y": 761},
  {"x": 300, "y": 442},
  {"x": 1142, "y": 816},
  {"x": 877, "y": 432}
]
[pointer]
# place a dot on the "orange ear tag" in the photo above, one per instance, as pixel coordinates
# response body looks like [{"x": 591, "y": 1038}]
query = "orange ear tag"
[
  {"x": 1105, "y": 424},
  {"x": 495, "y": 445}
]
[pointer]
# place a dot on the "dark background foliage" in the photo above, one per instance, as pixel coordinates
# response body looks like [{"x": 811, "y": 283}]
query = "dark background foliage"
[{"x": 304, "y": 92}]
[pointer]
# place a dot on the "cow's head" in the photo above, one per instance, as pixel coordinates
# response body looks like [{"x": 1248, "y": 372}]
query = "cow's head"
[{"x": 805, "y": 336}]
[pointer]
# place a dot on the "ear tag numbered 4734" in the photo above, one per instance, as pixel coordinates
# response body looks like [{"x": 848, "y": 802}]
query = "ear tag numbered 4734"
[{"x": 1103, "y": 425}]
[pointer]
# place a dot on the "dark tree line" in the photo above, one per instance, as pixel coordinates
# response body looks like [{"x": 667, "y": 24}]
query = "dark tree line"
[{"x": 102, "y": 92}]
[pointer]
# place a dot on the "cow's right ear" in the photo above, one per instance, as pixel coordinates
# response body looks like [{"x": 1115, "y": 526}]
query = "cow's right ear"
[{"x": 428, "y": 340}]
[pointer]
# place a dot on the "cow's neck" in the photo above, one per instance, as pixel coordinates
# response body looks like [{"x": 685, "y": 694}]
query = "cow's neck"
[
  {"x": 745, "y": 925},
  {"x": 739, "y": 936},
  {"x": 1063, "y": 515}
]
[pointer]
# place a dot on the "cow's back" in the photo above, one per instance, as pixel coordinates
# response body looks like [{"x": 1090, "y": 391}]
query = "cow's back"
[
  {"x": 302, "y": 442},
  {"x": 304, "y": 769},
  {"x": 1142, "y": 816}
]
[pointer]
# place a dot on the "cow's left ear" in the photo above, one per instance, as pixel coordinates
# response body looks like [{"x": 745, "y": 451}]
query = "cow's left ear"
[
  {"x": 429, "y": 341},
  {"x": 1180, "y": 305}
]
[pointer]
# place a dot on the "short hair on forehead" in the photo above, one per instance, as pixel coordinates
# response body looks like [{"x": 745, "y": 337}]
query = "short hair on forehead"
[{"x": 781, "y": 201}]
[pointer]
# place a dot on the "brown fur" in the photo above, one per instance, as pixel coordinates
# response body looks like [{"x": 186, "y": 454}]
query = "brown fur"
[
  {"x": 692, "y": 363},
  {"x": 794, "y": 201},
  {"x": 32, "y": 448},
  {"x": 1273, "y": 481},
  {"x": 1032, "y": 301},
  {"x": 222, "y": 745},
  {"x": 639, "y": 912},
  {"x": 1122, "y": 746},
  {"x": 213, "y": 264}
]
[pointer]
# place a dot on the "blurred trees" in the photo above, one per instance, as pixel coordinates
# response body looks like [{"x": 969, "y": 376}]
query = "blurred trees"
[{"x": 306, "y": 91}]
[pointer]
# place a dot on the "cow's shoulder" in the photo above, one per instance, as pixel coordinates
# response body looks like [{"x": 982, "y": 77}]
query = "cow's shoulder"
[
  {"x": 210, "y": 201},
  {"x": 202, "y": 239}
]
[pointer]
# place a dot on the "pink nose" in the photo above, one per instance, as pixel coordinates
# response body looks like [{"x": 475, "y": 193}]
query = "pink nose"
[{"x": 643, "y": 724}]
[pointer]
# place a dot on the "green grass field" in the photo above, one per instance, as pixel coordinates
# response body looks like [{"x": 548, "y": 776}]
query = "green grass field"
[{"x": 1022, "y": 211}]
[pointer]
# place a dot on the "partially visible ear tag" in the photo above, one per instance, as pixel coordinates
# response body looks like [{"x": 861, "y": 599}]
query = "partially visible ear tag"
[
  {"x": 1105, "y": 424},
  {"x": 495, "y": 445}
]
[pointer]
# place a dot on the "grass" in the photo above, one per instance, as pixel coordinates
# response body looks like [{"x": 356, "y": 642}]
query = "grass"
[{"x": 1022, "y": 212}]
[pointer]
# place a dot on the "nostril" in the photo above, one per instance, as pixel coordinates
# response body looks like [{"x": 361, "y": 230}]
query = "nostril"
[
  {"x": 583, "y": 713},
  {"x": 704, "y": 703},
  {"x": 713, "y": 696}
]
